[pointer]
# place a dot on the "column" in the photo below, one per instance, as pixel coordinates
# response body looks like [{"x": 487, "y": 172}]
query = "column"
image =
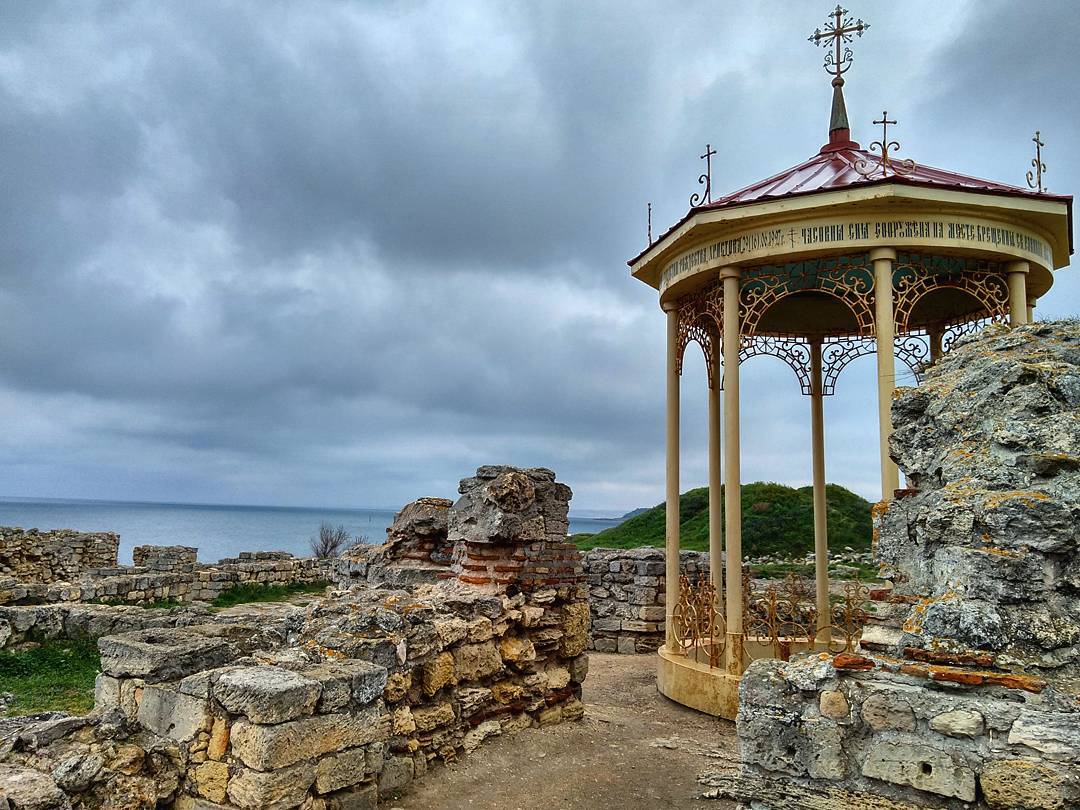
[
  {"x": 935, "y": 336},
  {"x": 671, "y": 552},
  {"x": 821, "y": 531},
  {"x": 1017, "y": 274},
  {"x": 716, "y": 531},
  {"x": 884, "y": 329},
  {"x": 732, "y": 484},
  {"x": 1031, "y": 310}
]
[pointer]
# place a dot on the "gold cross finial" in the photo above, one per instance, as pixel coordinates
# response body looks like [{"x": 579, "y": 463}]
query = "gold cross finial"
[
  {"x": 1035, "y": 178},
  {"x": 840, "y": 29},
  {"x": 885, "y": 163}
]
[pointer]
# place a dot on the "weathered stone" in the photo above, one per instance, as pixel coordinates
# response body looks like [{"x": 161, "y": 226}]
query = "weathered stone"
[
  {"x": 161, "y": 654},
  {"x": 919, "y": 766},
  {"x": 437, "y": 673},
  {"x": 1022, "y": 784},
  {"x": 958, "y": 723},
  {"x": 1056, "y": 736},
  {"x": 883, "y": 711},
  {"x": 575, "y": 629},
  {"x": 472, "y": 662},
  {"x": 338, "y": 771},
  {"x": 265, "y": 747},
  {"x": 517, "y": 649},
  {"x": 429, "y": 718},
  {"x": 396, "y": 773},
  {"x": 833, "y": 705},
  {"x": 281, "y": 788},
  {"x": 267, "y": 694},
  {"x": 168, "y": 713},
  {"x": 211, "y": 780},
  {"x": 27, "y": 789},
  {"x": 219, "y": 739},
  {"x": 76, "y": 772}
]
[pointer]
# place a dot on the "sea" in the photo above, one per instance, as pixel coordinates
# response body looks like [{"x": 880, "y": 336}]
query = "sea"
[{"x": 219, "y": 530}]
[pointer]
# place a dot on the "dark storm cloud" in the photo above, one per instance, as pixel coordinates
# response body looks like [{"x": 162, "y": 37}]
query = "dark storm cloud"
[{"x": 331, "y": 252}]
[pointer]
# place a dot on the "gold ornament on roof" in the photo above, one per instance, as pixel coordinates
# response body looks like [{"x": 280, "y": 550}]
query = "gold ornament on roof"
[
  {"x": 884, "y": 165},
  {"x": 840, "y": 30},
  {"x": 1035, "y": 178}
]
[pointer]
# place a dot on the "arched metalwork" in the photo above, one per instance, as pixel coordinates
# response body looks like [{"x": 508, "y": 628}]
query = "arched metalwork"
[
  {"x": 700, "y": 317},
  {"x": 915, "y": 275},
  {"x": 913, "y": 350},
  {"x": 958, "y": 330},
  {"x": 847, "y": 278},
  {"x": 837, "y": 353},
  {"x": 792, "y": 350}
]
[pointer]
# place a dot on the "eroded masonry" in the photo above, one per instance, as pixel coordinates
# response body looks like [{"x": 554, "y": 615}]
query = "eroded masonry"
[{"x": 471, "y": 623}]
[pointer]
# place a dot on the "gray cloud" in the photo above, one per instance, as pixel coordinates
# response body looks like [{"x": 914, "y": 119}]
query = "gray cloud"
[{"x": 341, "y": 253}]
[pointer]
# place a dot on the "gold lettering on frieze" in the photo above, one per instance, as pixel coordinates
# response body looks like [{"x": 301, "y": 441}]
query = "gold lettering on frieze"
[{"x": 860, "y": 233}]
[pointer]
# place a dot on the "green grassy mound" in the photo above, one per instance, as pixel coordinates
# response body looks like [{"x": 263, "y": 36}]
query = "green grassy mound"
[
  {"x": 56, "y": 676},
  {"x": 776, "y": 519}
]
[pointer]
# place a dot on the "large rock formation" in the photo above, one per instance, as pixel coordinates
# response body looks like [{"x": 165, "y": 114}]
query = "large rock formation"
[{"x": 967, "y": 695}]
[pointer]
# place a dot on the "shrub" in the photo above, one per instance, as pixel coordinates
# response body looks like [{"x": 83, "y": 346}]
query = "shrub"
[{"x": 330, "y": 541}]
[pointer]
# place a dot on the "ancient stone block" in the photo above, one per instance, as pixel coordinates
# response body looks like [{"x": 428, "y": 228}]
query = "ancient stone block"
[
  {"x": 517, "y": 649},
  {"x": 917, "y": 765},
  {"x": 162, "y": 654},
  {"x": 958, "y": 723},
  {"x": 264, "y": 747},
  {"x": 168, "y": 713},
  {"x": 833, "y": 704},
  {"x": 473, "y": 662},
  {"x": 575, "y": 627},
  {"x": 267, "y": 694},
  {"x": 396, "y": 773},
  {"x": 1055, "y": 735},
  {"x": 27, "y": 789},
  {"x": 282, "y": 787},
  {"x": 429, "y": 718},
  {"x": 883, "y": 711},
  {"x": 338, "y": 771},
  {"x": 211, "y": 780},
  {"x": 437, "y": 673},
  {"x": 1023, "y": 784}
]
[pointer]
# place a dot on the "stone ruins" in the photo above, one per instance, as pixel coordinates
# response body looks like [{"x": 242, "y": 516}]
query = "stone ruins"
[
  {"x": 966, "y": 692},
  {"x": 332, "y": 705}
]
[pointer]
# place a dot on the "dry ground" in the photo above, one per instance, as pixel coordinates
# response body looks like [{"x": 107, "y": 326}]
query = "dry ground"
[{"x": 634, "y": 750}]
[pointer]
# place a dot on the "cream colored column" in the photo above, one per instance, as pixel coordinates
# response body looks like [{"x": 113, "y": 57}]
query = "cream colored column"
[
  {"x": 935, "y": 336},
  {"x": 1031, "y": 310},
  {"x": 821, "y": 529},
  {"x": 1018, "y": 312},
  {"x": 885, "y": 330},
  {"x": 732, "y": 484},
  {"x": 671, "y": 553},
  {"x": 716, "y": 530}
]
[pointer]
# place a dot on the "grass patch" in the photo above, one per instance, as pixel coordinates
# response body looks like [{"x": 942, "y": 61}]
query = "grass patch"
[
  {"x": 57, "y": 676},
  {"x": 776, "y": 519},
  {"x": 256, "y": 592}
]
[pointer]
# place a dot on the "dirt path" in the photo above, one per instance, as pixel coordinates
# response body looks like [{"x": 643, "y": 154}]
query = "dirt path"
[{"x": 634, "y": 750}]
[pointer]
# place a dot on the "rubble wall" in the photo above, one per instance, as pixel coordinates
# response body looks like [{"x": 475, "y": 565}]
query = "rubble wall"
[
  {"x": 970, "y": 695},
  {"x": 30, "y": 555},
  {"x": 626, "y": 596},
  {"x": 364, "y": 693}
]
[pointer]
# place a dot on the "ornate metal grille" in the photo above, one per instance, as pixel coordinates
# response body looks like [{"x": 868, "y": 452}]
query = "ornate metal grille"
[
  {"x": 701, "y": 321},
  {"x": 914, "y": 276}
]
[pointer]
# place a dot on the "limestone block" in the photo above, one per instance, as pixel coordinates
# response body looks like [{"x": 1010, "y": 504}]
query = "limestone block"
[
  {"x": 917, "y": 765},
  {"x": 402, "y": 722},
  {"x": 1023, "y": 784},
  {"x": 958, "y": 723},
  {"x": 264, "y": 747},
  {"x": 579, "y": 668},
  {"x": 338, "y": 771},
  {"x": 557, "y": 677},
  {"x": 517, "y": 649},
  {"x": 480, "y": 629},
  {"x": 168, "y": 713},
  {"x": 437, "y": 673},
  {"x": 361, "y": 797},
  {"x": 281, "y": 788},
  {"x": 267, "y": 694},
  {"x": 76, "y": 772},
  {"x": 476, "y": 736},
  {"x": 396, "y": 773},
  {"x": 219, "y": 739},
  {"x": 833, "y": 704},
  {"x": 397, "y": 686},
  {"x": 27, "y": 789},
  {"x": 825, "y": 755},
  {"x": 473, "y": 662},
  {"x": 161, "y": 654},
  {"x": 575, "y": 627},
  {"x": 106, "y": 692},
  {"x": 1056, "y": 735},
  {"x": 211, "y": 780},
  {"x": 429, "y": 718},
  {"x": 884, "y": 711}
]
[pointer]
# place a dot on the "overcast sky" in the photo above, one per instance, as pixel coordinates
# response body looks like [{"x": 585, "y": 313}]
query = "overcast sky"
[{"x": 341, "y": 253}]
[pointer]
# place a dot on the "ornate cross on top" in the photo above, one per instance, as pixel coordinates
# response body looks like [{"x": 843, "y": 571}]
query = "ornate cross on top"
[
  {"x": 885, "y": 164},
  {"x": 705, "y": 180},
  {"x": 841, "y": 31},
  {"x": 1035, "y": 178}
]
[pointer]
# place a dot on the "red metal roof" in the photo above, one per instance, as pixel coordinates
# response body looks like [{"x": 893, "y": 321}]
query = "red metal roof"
[{"x": 833, "y": 168}]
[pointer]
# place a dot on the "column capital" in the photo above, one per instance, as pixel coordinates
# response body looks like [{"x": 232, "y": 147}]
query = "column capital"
[
  {"x": 1018, "y": 267},
  {"x": 730, "y": 271},
  {"x": 668, "y": 306},
  {"x": 882, "y": 253}
]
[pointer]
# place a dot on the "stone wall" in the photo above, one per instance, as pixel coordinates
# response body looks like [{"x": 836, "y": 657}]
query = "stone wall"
[
  {"x": 969, "y": 696},
  {"x": 364, "y": 693},
  {"x": 165, "y": 558},
  {"x": 29, "y": 555},
  {"x": 626, "y": 596}
]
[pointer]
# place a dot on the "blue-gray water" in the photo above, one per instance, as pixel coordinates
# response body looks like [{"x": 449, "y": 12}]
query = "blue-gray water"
[{"x": 218, "y": 531}]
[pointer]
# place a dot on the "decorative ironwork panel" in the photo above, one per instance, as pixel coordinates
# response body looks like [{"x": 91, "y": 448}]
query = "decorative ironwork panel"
[
  {"x": 837, "y": 353},
  {"x": 847, "y": 278},
  {"x": 956, "y": 331},
  {"x": 913, "y": 350},
  {"x": 914, "y": 276},
  {"x": 700, "y": 318},
  {"x": 697, "y": 622},
  {"x": 792, "y": 350}
]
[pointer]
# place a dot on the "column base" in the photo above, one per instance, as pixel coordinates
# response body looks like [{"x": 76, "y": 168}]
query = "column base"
[{"x": 699, "y": 686}]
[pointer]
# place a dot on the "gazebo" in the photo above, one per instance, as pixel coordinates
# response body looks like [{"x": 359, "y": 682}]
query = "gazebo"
[{"x": 849, "y": 253}]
